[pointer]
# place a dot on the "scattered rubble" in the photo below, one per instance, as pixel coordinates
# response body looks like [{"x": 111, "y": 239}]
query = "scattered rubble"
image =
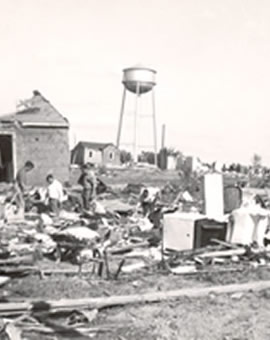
[{"x": 118, "y": 237}]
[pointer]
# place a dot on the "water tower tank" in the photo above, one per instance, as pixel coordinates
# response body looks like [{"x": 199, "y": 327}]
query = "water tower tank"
[{"x": 139, "y": 78}]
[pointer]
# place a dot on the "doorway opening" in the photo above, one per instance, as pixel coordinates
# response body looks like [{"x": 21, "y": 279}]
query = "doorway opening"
[{"x": 6, "y": 158}]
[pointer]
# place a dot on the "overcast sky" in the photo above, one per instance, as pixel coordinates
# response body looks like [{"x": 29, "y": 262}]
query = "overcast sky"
[{"x": 212, "y": 59}]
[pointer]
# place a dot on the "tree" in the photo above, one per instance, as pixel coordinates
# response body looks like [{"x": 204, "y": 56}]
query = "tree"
[
  {"x": 147, "y": 157},
  {"x": 238, "y": 168},
  {"x": 232, "y": 167},
  {"x": 125, "y": 156},
  {"x": 256, "y": 161},
  {"x": 174, "y": 152}
]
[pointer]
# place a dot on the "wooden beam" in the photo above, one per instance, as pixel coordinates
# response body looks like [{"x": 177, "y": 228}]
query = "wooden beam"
[
  {"x": 224, "y": 253},
  {"x": 224, "y": 244},
  {"x": 105, "y": 302}
]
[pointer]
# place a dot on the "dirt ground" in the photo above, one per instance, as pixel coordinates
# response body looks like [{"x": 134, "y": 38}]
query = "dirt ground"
[{"x": 226, "y": 317}]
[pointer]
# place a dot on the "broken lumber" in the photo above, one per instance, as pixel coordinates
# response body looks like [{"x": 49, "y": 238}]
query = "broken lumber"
[
  {"x": 191, "y": 252},
  {"x": 18, "y": 260},
  {"x": 36, "y": 270},
  {"x": 224, "y": 253},
  {"x": 39, "y": 328},
  {"x": 12, "y": 308},
  {"x": 224, "y": 244},
  {"x": 119, "y": 269},
  {"x": 205, "y": 271},
  {"x": 128, "y": 248}
]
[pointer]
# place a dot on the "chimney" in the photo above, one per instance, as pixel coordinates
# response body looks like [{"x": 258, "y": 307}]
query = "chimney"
[{"x": 36, "y": 93}]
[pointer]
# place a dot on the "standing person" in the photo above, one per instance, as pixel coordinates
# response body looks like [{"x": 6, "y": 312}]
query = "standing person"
[
  {"x": 55, "y": 194},
  {"x": 21, "y": 187},
  {"x": 148, "y": 199},
  {"x": 88, "y": 181},
  {"x": 94, "y": 179}
]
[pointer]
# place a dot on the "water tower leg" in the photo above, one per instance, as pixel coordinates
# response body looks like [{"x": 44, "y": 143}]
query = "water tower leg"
[
  {"x": 136, "y": 122},
  {"x": 121, "y": 118},
  {"x": 154, "y": 126}
]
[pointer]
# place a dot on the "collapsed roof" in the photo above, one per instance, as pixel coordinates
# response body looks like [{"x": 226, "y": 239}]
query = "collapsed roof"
[{"x": 36, "y": 111}]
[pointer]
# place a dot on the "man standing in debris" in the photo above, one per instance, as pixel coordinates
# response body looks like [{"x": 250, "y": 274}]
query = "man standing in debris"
[
  {"x": 55, "y": 194},
  {"x": 88, "y": 181},
  {"x": 21, "y": 187}
]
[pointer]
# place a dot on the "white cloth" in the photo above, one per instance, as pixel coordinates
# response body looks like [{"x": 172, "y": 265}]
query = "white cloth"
[
  {"x": 55, "y": 191},
  {"x": 250, "y": 224}
]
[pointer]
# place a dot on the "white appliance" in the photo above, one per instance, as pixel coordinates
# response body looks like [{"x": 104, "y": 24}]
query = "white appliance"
[
  {"x": 179, "y": 229},
  {"x": 213, "y": 195}
]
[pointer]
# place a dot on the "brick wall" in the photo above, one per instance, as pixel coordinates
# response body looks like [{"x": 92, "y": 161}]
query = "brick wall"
[
  {"x": 47, "y": 148},
  {"x": 74, "y": 174}
]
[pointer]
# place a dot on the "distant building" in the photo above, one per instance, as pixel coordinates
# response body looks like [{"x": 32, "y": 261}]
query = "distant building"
[
  {"x": 194, "y": 164},
  {"x": 171, "y": 162},
  {"x": 36, "y": 132},
  {"x": 97, "y": 153}
]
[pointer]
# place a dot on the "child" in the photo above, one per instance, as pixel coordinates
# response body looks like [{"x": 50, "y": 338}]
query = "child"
[{"x": 55, "y": 194}]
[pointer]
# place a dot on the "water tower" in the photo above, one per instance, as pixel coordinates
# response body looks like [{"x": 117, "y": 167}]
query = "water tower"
[{"x": 138, "y": 80}]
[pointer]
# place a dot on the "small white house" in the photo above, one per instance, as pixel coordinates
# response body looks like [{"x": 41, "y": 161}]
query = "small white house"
[{"x": 96, "y": 153}]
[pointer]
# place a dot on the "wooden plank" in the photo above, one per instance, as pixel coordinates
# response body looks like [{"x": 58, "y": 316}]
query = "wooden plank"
[
  {"x": 205, "y": 271},
  {"x": 191, "y": 252},
  {"x": 224, "y": 253},
  {"x": 105, "y": 302},
  {"x": 224, "y": 244},
  {"x": 128, "y": 248},
  {"x": 26, "y": 259}
]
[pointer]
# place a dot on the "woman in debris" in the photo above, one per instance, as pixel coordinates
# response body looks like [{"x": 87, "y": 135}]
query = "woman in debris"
[
  {"x": 88, "y": 181},
  {"x": 55, "y": 194}
]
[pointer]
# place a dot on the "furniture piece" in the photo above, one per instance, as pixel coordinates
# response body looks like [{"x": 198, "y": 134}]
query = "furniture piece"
[{"x": 191, "y": 230}]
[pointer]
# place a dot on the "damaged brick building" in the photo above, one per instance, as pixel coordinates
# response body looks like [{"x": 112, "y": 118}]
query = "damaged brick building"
[{"x": 36, "y": 132}]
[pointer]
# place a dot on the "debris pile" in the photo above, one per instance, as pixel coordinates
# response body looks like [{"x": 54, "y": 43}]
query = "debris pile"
[
  {"x": 122, "y": 233},
  {"x": 126, "y": 237},
  {"x": 224, "y": 257},
  {"x": 112, "y": 231}
]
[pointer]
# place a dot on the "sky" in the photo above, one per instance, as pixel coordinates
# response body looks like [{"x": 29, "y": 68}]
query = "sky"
[{"x": 212, "y": 59}]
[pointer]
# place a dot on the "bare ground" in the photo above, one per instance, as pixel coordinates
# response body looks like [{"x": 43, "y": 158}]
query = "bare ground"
[{"x": 226, "y": 317}]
